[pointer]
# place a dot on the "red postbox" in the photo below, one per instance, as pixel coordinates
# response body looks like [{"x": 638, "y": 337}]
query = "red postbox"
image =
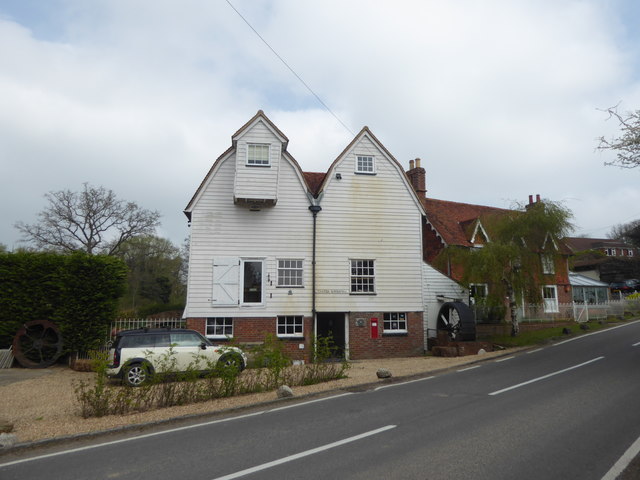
[{"x": 374, "y": 328}]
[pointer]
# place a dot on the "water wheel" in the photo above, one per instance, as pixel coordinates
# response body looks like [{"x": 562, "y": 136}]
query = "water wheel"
[
  {"x": 456, "y": 318},
  {"x": 38, "y": 344}
]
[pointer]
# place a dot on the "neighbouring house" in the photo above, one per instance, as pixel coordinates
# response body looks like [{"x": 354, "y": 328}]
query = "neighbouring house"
[
  {"x": 275, "y": 250},
  {"x": 465, "y": 225},
  {"x": 604, "y": 259}
]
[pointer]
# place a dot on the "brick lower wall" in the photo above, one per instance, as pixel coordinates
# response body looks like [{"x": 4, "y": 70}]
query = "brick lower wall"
[
  {"x": 362, "y": 346},
  {"x": 253, "y": 330}
]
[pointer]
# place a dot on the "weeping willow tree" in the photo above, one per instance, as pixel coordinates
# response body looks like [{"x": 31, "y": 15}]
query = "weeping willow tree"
[{"x": 521, "y": 245}]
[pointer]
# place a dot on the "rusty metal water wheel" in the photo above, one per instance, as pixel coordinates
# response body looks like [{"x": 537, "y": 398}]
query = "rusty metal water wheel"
[{"x": 38, "y": 344}]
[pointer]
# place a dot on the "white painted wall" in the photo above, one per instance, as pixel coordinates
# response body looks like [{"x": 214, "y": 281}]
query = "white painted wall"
[
  {"x": 437, "y": 284},
  {"x": 369, "y": 217},
  {"x": 220, "y": 228},
  {"x": 257, "y": 182}
]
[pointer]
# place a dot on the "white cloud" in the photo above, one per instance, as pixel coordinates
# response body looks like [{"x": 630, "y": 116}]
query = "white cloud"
[{"x": 498, "y": 98}]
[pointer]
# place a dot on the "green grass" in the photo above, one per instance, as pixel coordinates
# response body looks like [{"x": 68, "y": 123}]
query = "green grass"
[{"x": 546, "y": 335}]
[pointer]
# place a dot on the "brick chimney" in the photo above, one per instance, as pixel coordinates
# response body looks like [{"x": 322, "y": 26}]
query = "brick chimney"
[
  {"x": 418, "y": 177},
  {"x": 531, "y": 203}
]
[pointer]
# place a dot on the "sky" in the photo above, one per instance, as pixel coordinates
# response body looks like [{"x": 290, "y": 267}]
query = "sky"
[{"x": 501, "y": 99}]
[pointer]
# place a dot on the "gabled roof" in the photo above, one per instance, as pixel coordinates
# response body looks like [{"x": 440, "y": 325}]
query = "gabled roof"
[
  {"x": 458, "y": 223},
  {"x": 366, "y": 132},
  {"x": 578, "y": 244},
  {"x": 260, "y": 115}
]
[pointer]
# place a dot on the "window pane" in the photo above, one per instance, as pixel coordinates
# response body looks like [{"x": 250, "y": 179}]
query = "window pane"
[
  {"x": 257, "y": 154},
  {"x": 290, "y": 273},
  {"x": 362, "y": 276},
  {"x": 364, "y": 164},
  {"x": 290, "y": 326}
]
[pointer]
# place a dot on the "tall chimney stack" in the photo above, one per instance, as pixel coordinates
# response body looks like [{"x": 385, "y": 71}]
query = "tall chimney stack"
[{"x": 417, "y": 177}]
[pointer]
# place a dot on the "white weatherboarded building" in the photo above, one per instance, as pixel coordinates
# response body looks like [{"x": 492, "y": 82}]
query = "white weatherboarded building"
[{"x": 278, "y": 251}]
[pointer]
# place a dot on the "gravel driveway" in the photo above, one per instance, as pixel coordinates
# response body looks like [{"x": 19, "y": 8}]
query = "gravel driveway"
[{"x": 41, "y": 404}]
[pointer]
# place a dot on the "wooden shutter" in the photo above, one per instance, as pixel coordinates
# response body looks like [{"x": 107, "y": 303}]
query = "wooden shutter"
[{"x": 226, "y": 281}]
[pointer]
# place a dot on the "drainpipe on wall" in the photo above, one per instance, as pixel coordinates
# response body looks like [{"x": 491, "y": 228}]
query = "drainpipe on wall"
[{"x": 314, "y": 209}]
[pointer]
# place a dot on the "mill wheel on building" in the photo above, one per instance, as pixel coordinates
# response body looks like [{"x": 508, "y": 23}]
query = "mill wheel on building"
[
  {"x": 456, "y": 318},
  {"x": 38, "y": 344}
]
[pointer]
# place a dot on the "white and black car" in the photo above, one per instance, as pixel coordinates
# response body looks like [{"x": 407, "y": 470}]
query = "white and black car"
[{"x": 136, "y": 355}]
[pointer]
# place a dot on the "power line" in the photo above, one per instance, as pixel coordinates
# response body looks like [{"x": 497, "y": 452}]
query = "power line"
[{"x": 290, "y": 69}]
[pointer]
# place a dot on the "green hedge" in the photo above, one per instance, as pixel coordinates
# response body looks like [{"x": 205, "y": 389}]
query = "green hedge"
[{"x": 77, "y": 292}]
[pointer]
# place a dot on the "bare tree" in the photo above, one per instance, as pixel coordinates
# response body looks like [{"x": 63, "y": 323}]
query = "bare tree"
[
  {"x": 627, "y": 145},
  {"x": 627, "y": 232},
  {"x": 93, "y": 220}
]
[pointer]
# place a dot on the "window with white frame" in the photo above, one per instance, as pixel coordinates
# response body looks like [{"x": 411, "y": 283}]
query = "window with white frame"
[
  {"x": 550, "y": 296},
  {"x": 394, "y": 322},
  {"x": 251, "y": 281},
  {"x": 290, "y": 326},
  {"x": 258, "y": 154},
  {"x": 478, "y": 293},
  {"x": 219, "y": 327},
  {"x": 630, "y": 252},
  {"x": 548, "y": 264},
  {"x": 363, "y": 277},
  {"x": 610, "y": 252},
  {"x": 290, "y": 273},
  {"x": 365, "y": 164}
]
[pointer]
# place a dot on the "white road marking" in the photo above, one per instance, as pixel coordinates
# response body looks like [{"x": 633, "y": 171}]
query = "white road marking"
[
  {"x": 624, "y": 461},
  {"x": 503, "y": 359},
  {"x": 313, "y": 451},
  {"x": 469, "y": 368},
  {"x": 595, "y": 333},
  {"x": 536, "y": 350},
  {"x": 403, "y": 383},
  {"x": 497, "y": 392},
  {"x": 155, "y": 434},
  {"x": 635, "y": 344}
]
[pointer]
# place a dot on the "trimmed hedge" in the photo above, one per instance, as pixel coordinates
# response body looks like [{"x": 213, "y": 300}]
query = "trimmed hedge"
[{"x": 78, "y": 292}]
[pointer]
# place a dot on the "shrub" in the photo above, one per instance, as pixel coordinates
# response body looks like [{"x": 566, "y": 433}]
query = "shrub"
[
  {"x": 103, "y": 397},
  {"x": 78, "y": 292}
]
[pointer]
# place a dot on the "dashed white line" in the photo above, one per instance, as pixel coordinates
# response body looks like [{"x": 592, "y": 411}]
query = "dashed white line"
[
  {"x": 290, "y": 458},
  {"x": 469, "y": 368},
  {"x": 497, "y": 392},
  {"x": 536, "y": 350},
  {"x": 503, "y": 359},
  {"x": 403, "y": 383}
]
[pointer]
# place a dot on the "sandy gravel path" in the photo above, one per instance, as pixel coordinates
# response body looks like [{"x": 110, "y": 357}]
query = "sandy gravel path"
[{"x": 44, "y": 407}]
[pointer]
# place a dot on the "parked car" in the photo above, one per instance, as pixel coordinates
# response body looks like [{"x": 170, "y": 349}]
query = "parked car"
[
  {"x": 627, "y": 286},
  {"x": 137, "y": 355}
]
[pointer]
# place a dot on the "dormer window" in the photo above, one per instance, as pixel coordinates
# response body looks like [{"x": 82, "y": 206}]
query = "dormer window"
[
  {"x": 365, "y": 164},
  {"x": 258, "y": 155}
]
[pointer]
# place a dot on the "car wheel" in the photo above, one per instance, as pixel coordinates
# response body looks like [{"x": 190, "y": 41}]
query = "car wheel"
[
  {"x": 136, "y": 375},
  {"x": 230, "y": 361}
]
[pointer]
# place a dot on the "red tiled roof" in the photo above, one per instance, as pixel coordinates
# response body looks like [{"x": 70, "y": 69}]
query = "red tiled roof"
[
  {"x": 314, "y": 181},
  {"x": 452, "y": 219}
]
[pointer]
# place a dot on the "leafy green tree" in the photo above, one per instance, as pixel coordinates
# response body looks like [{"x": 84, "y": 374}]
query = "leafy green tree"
[
  {"x": 155, "y": 267},
  {"x": 93, "y": 220},
  {"x": 627, "y": 144},
  {"x": 511, "y": 261}
]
